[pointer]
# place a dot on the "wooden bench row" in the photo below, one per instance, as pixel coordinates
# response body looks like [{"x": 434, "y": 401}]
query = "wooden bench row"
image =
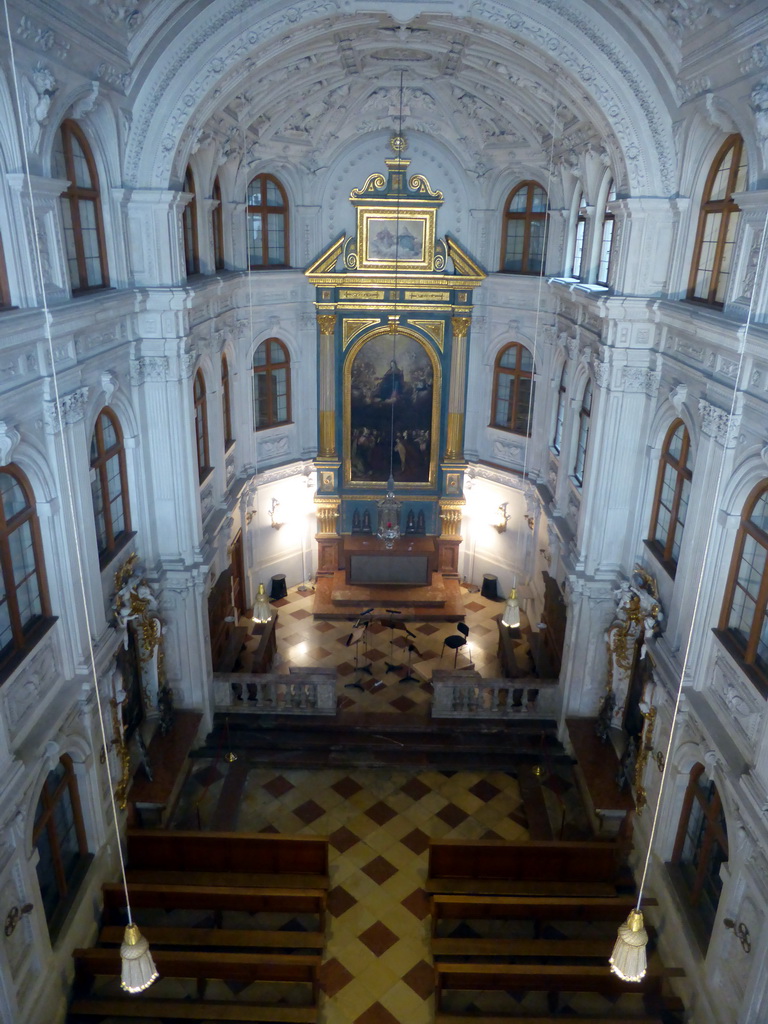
[
  {"x": 217, "y": 899},
  {"x": 538, "y": 909},
  {"x": 562, "y": 978},
  {"x": 219, "y": 873},
  {"x": 227, "y": 858},
  {"x": 547, "y": 868}
]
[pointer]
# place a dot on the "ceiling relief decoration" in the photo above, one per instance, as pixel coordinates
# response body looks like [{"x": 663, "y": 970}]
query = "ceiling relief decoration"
[{"x": 293, "y": 79}]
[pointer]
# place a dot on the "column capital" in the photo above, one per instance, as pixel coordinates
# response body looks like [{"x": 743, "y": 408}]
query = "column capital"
[{"x": 326, "y": 322}]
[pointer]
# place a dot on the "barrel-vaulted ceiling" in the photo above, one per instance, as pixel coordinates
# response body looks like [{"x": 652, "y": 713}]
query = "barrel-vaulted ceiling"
[{"x": 501, "y": 82}]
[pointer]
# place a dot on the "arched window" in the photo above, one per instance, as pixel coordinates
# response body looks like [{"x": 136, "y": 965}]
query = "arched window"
[
  {"x": 267, "y": 221},
  {"x": 744, "y": 618},
  {"x": 713, "y": 252},
  {"x": 583, "y": 439},
  {"x": 81, "y": 209},
  {"x": 557, "y": 440},
  {"x": 701, "y": 848},
  {"x": 109, "y": 485},
  {"x": 606, "y": 241},
  {"x": 5, "y": 292},
  {"x": 23, "y": 596},
  {"x": 189, "y": 224},
  {"x": 271, "y": 384},
  {"x": 201, "y": 426},
  {"x": 60, "y": 841},
  {"x": 513, "y": 389},
  {"x": 217, "y": 227},
  {"x": 673, "y": 487},
  {"x": 523, "y": 241},
  {"x": 226, "y": 408},
  {"x": 578, "y": 244}
]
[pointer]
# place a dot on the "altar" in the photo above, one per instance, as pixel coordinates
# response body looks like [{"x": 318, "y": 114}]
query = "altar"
[{"x": 410, "y": 562}]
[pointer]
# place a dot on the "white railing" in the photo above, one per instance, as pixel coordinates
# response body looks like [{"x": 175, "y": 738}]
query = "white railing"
[
  {"x": 468, "y": 695},
  {"x": 310, "y": 691}
]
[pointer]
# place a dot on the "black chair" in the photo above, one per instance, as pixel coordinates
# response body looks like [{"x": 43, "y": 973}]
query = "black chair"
[
  {"x": 463, "y": 628},
  {"x": 454, "y": 642}
]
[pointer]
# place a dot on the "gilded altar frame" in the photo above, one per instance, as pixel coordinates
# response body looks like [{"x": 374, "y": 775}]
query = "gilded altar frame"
[{"x": 437, "y": 391}]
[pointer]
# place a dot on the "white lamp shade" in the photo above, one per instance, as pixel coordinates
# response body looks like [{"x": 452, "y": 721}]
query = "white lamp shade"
[
  {"x": 628, "y": 959},
  {"x": 261, "y": 610},
  {"x": 511, "y": 616},
  {"x": 138, "y": 967}
]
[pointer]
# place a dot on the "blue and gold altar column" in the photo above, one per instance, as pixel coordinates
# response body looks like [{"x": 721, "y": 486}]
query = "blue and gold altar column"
[
  {"x": 327, "y": 499},
  {"x": 452, "y": 501}
]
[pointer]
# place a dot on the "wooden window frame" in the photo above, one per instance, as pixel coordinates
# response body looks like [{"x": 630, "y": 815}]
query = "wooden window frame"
[
  {"x": 579, "y": 241},
  {"x": 528, "y": 216},
  {"x": 609, "y": 218},
  {"x": 585, "y": 414},
  {"x": 24, "y": 636},
  {"x": 200, "y": 400},
  {"x": 518, "y": 375},
  {"x": 263, "y": 211},
  {"x": 728, "y": 209},
  {"x": 217, "y": 226},
  {"x": 267, "y": 369},
  {"x": 66, "y": 883},
  {"x": 189, "y": 226},
  {"x": 226, "y": 404},
  {"x": 73, "y": 195},
  {"x": 711, "y": 833},
  {"x": 557, "y": 439},
  {"x": 99, "y": 465},
  {"x": 682, "y": 473},
  {"x": 746, "y": 652}
]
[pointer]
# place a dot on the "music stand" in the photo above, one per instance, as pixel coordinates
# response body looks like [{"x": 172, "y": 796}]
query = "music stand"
[
  {"x": 392, "y": 612},
  {"x": 408, "y": 677},
  {"x": 359, "y": 632}
]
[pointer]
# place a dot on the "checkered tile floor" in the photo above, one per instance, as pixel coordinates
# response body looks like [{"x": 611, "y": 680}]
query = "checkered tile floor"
[
  {"x": 377, "y": 967},
  {"x": 304, "y": 641}
]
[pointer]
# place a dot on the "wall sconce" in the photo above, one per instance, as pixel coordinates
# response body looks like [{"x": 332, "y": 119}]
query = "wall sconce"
[
  {"x": 741, "y": 932},
  {"x": 275, "y": 522},
  {"x": 502, "y": 519},
  {"x": 14, "y": 916}
]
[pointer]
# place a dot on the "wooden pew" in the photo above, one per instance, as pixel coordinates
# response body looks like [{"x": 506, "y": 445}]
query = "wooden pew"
[
  {"x": 218, "y": 938},
  {"x": 539, "y": 909},
  {"x": 620, "y": 1018},
  {"x": 227, "y": 859},
  {"x": 216, "y": 898},
  {"x": 204, "y": 966},
  {"x": 524, "y": 868},
  {"x": 175, "y": 1009},
  {"x": 550, "y": 979},
  {"x": 533, "y": 949}
]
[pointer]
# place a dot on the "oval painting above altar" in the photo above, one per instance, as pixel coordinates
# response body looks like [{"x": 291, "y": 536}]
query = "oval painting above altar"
[{"x": 392, "y": 391}]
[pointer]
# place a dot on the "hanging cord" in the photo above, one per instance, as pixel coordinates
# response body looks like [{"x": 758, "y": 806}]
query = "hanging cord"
[
  {"x": 65, "y": 458},
  {"x": 699, "y": 587}
]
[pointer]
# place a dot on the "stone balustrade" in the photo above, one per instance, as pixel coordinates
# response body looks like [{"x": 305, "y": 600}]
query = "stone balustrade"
[
  {"x": 304, "y": 691},
  {"x": 468, "y": 695}
]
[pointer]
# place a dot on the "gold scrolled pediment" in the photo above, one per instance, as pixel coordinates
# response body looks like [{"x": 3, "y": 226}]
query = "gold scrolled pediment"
[
  {"x": 374, "y": 183},
  {"x": 418, "y": 183}
]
